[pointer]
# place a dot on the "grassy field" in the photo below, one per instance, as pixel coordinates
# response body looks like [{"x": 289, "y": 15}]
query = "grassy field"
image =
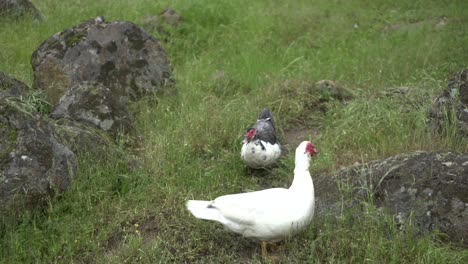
[{"x": 129, "y": 207}]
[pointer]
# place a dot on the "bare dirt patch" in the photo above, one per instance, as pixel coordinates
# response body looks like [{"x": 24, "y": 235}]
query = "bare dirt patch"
[
  {"x": 436, "y": 23},
  {"x": 149, "y": 229},
  {"x": 294, "y": 136}
]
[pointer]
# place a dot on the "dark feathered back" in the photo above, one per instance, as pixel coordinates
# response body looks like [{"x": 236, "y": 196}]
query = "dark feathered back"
[
  {"x": 265, "y": 114},
  {"x": 265, "y": 127}
]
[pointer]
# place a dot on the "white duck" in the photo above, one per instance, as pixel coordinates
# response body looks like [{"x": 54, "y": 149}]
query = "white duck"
[
  {"x": 260, "y": 147},
  {"x": 269, "y": 215}
]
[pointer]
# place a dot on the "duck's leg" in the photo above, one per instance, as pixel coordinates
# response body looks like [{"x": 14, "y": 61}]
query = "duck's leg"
[
  {"x": 275, "y": 246},
  {"x": 264, "y": 249}
]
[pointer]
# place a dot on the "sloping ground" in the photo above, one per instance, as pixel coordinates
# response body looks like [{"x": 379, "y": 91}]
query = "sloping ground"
[{"x": 119, "y": 212}]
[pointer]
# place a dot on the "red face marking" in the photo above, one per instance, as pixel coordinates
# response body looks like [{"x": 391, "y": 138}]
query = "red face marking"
[
  {"x": 250, "y": 134},
  {"x": 310, "y": 149}
]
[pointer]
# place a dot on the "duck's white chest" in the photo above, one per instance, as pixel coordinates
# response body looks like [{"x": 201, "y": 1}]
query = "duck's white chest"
[{"x": 258, "y": 153}]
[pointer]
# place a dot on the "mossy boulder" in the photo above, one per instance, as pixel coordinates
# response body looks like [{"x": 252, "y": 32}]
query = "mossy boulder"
[
  {"x": 120, "y": 55},
  {"x": 82, "y": 139},
  {"x": 95, "y": 105},
  {"x": 330, "y": 90},
  {"x": 18, "y": 8},
  {"x": 163, "y": 24},
  {"x": 34, "y": 164},
  {"x": 451, "y": 106},
  {"x": 12, "y": 86},
  {"x": 8, "y": 137},
  {"x": 431, "y": 187}
]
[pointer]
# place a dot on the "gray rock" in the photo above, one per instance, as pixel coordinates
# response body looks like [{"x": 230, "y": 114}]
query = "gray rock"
[
  {"x": 18, "y": 8},
  {"x": 170, "y": 17},
  {"x": 33, "y": 162},
  {"x": 331, "y": 90},
  {"x": 452, "y": 102},
  {"x": 35, "y": 100},
  {"x": 402, "y": 90},
  {"x": 163, "y": 23},
  {"x": 82, "y": 139},
  {"x": 12, "y": 86},
  {"x": 120, "y": 55},
  {"x": 94, "y": 104},
  {"x": 432, "y": 187}
]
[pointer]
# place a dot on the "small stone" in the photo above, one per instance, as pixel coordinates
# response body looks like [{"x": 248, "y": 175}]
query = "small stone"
[
  {"x": 453, "y": 101},
  {"x": 448, "y": 163},
  {"x": 331, "y": 90},
  {"x": 428, "y": 192}
]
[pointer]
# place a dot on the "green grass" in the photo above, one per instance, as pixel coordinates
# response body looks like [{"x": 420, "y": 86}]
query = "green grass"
[{"x": 129, "y": 206}]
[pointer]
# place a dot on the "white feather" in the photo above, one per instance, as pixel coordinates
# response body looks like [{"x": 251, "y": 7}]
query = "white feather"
[
  {"x": 267, "y": 215},
  {"x": 260, "y": 154}
]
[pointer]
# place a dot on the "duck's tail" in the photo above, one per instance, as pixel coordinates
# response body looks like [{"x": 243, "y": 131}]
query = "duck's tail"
[{"x": 203, "y": 210}]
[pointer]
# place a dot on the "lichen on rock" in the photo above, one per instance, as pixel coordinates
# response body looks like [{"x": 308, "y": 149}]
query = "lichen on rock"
[
  {"x": 451, "y": 105},
  {"x": 94, "y": 104},
  {"x": 120, "y": 55},
  {"x": 430, "y": 187},
  {"x": 18, "y": 8},
  {"x": 11, "y": 86},
  {"x": 33, "y": 163}
]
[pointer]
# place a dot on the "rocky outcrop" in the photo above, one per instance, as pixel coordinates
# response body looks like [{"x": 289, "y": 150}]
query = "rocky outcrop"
[
  {"x": 11, "y": 86},
  {"x": 452, "y": 105},
  {"x": 82, "y": 139},
  {"x": 92, "y": 71},
  {"x": 119, "y": 55},
  {"x": 163, "y": 23},
  {"x": 37, "y": 156},
  {"x": 18, "y": 8},
  {"x": 331, "y": 90},
  {"x": 432, "y": 187},
  {"x": 33, "y": 162},
  {"x": 94, "y": 104},
  {"x": 170, "y": 17}
]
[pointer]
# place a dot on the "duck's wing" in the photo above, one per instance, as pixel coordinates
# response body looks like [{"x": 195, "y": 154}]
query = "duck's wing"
[
  {"x": 246, "y": 208},
  {"x": 265, "y": 131}
]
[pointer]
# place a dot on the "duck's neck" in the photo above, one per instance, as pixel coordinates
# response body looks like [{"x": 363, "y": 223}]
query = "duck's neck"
[{"x": 302, "y": 179}]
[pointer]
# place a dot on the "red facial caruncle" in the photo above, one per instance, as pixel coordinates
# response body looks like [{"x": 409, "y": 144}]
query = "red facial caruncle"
[
  {"x": 250, "y": 134},
  {"x": 311, "y": 150}
]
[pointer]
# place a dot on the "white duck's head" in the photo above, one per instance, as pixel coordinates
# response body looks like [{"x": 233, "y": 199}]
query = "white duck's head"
[{"x": 304, "y": 152}]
